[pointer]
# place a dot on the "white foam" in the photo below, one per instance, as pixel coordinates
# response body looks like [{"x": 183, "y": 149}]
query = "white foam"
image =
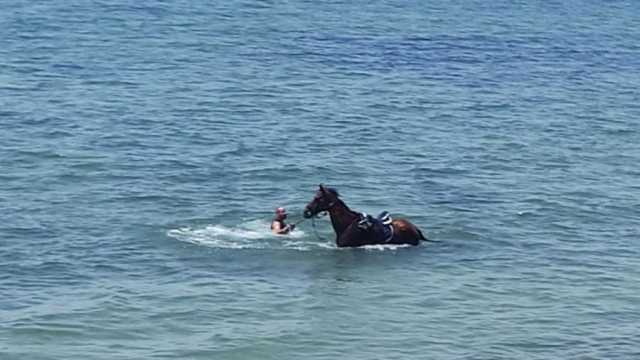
[
  {"x": 381, "y": 247},
  {"x": 256, "y": 234}
]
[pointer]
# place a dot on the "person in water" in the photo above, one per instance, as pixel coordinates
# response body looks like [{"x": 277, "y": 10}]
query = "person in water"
[{"x": 278, "y": 226}]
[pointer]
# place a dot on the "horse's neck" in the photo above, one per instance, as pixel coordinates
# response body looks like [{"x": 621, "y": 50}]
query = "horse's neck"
[{"x": 341, "y": 217}]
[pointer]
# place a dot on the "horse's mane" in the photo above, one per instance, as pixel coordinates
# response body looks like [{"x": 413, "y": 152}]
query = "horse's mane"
[{"x": 333, "y": 191}]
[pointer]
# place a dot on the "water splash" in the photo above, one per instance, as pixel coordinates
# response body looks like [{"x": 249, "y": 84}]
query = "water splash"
[{"x": 256, "y": 234}]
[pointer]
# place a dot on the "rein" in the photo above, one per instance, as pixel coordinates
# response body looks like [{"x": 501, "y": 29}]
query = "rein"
[
  {"x": 315, "y": 230},
  {"x": 313, "y": 224},
  {"x": 299, "y": 222},
  {"x": 324, "y": 213}
]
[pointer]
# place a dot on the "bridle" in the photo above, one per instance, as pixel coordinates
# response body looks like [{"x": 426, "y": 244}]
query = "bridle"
[
  {"x": 324, "y": 212},
  {"x": 318, "y": 214}
]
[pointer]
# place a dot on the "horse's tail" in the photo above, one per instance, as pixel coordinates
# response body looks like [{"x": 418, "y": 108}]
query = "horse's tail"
[{"x": 422, "y": 237}]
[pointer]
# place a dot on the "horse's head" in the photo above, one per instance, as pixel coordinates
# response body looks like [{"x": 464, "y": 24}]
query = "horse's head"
[{"x": 324, "y": 200}]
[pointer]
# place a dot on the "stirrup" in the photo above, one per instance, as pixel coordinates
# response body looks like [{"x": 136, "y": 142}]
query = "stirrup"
[
  {"x": 385, "y": 218},
  {"x": 365, "y": 223}
]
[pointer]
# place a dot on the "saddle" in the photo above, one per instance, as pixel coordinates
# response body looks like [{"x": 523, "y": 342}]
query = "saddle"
[{"x": 381, "y": 226}]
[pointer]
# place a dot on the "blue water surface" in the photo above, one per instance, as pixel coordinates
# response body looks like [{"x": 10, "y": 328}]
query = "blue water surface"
[{"x": 144, "y": 145}]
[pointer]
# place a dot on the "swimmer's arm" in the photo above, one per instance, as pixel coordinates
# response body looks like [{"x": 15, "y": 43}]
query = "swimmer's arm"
[{"x": 275, "y": 227}]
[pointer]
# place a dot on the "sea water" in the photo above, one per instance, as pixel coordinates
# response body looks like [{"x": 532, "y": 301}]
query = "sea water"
[{"x": 145, "y": 145}]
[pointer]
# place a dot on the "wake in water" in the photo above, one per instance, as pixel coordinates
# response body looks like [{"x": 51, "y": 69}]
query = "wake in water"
[{"x": 256, "y": 234}]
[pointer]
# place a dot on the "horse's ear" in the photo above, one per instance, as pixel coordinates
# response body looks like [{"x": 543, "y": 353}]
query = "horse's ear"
[{"x": 321, "y": 187}]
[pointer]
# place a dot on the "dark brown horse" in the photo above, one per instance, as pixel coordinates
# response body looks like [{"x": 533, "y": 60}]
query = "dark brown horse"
[{"x": 346, "y": 223}]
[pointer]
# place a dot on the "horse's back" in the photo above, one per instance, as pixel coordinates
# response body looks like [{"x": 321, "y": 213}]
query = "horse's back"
[{"x": 406, "y": 233}]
